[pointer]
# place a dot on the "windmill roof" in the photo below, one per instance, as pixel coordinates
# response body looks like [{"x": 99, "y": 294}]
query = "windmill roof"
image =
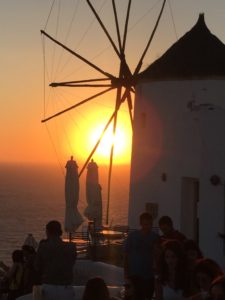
[{"x": 197, "y": 54}]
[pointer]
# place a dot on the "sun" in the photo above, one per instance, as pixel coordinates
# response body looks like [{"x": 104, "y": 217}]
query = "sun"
[
  {"x": 119, "y": 141},
  {"x": 83, "y": 141}
]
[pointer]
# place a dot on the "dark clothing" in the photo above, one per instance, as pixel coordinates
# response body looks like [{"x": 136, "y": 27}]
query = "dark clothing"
[
  {"x": 29, "y": 275},
  {"x": 139, "y": 249},
  {"x": 142, "y": 288},
  {"x": 54, "y": 262},
  {"x": 173, "y": 235},
  {"x": 14, "y": 294}
]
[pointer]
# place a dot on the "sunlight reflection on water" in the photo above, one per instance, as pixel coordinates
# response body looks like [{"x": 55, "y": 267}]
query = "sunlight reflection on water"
[{"x": 31, "y": 196}]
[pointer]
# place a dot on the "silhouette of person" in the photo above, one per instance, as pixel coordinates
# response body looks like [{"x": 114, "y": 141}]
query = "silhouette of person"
[
  {"x": 54, "y": 264},
  {"x": 140, "y": 249}
]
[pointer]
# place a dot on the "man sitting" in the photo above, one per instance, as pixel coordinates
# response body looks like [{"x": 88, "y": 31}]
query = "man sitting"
[{"x": 54, "y": 264}]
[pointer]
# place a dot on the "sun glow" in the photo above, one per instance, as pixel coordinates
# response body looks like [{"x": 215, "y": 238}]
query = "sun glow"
[
  {"x": 104, "y": 148},
  {"x": 83, "y": 141}
]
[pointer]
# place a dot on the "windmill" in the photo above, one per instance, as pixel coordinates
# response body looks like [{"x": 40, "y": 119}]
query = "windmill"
[{"x": 124, "y": 83}]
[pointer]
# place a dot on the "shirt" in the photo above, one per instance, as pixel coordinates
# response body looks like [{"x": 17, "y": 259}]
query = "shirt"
[
  {"x": 139, "y": 249},
  {"x": 54, "y": 261}
]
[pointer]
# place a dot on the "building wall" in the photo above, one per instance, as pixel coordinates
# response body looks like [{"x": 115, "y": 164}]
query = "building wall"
[{"x": 179, "y": 131}]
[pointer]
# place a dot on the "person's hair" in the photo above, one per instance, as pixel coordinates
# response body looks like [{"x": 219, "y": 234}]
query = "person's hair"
[
  {"x": 96, "y": 289},
  {"x": 145, "y": 216},
  {"x": 208, "y": 267},
  {"x": 220, "y": 281},
  {"x": 177, "y": 249},
  {"x": 17, "y": 256},
  {"x": 54, "y": 228},
  {"x": 166, "y": 220},
  {"x": 192, "y": 245}
]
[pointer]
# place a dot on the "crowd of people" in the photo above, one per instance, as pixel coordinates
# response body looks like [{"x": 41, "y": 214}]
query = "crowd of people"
[
  {"x": 19, "y": 278},
  {"x": 160, "y": 267},
  {"x": 169, "y": 266}
]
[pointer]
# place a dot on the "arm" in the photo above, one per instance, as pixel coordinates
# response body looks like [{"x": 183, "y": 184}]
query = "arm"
[
  {"x": 11, "y": 271},
  {"x": 126, "y": 261},
  {"x": 38, "y": 265},
  {"x": 4, "y": 266},
  {"x": 157, "y": 250}
]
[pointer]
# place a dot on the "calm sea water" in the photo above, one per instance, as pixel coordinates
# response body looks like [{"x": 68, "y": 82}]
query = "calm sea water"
[{"x": 30, "y": 196}]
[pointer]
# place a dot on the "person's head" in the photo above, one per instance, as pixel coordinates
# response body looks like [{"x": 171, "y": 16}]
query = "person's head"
[
  {"x": 146, "y": 221},
  {"x": 172, "y": 260},
  {"x": 28, "y": 251},
  {"x": 165, "y": 224},
  {"x": 206, "y": 270},
  {"x": 217, "y": 288},
  {"x": 172, "y": 254},
  {"x": 96, "y": 289},
  {"x": 192, "y": 252},
  {"x": 53, "y": 229},
  {"x": 17, "y": 256}
]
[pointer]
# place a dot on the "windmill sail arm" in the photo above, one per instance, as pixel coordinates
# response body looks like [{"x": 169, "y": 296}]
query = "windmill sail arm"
[
  {"x": 98, "y": 142},
  {"x": 130, "y": 107},
  {"x": 118, "y": 103},
  {"x": 77, "y": 55},
  {"x": 79, "y": 85},
  {"x": 139, "y": 65},
  {"x": 77, "y": 104},
  {"x": 103, "y": 132},
  {"x": 103, "y": 27},
  {"x": 55, "y": 84},
  {"x": 125, "y": 67},
  {"x": 126, "y": 25},
  {"x": 117, "y": 25}
]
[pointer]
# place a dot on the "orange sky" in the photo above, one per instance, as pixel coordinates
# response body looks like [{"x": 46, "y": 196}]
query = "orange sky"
[{"x": 23, "y": 137}]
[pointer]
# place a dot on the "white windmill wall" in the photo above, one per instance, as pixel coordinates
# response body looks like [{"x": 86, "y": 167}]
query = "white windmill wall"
[{"x": 180, "y": 141}]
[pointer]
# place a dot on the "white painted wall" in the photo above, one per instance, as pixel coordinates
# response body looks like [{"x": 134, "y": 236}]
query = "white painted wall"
[{"x": 170, "y": 138}]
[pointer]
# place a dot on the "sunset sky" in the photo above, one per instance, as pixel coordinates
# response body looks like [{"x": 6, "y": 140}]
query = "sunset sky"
[{"x": 23, "y": 137}]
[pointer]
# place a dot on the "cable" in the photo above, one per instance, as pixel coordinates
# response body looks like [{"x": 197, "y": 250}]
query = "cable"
[
  {"x": 171, "y": 13},
  {"x": 53, "y": 3}
]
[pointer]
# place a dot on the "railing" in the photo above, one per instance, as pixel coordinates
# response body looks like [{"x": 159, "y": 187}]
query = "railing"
[{"x": 87, "y": 240}]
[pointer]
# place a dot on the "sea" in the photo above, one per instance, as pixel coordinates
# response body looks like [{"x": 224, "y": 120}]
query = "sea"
[{"x": 32, "y": 195}]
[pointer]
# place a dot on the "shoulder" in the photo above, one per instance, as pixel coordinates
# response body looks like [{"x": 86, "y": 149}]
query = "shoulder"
[
  {"x": 133, "y": 235},
  {"x": 154, "y": 237},
  {"x": 42, "y": 243},
  {"x": 70, "y": 246}
]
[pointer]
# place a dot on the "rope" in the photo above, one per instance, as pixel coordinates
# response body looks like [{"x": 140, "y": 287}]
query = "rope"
[
  {"x": 171, "y": 13},
  {"x": 54, "y": 46},
  {"x": 53, "y": 3},
  {"x": 143, "y": 16},
  {"x": 44, "y": 70},
  {"x": 82, "y": 66},
  {"x": 81, "y": 40},
  {"x": 67, "y": 35},
  {"x": 55, "y": 150}
]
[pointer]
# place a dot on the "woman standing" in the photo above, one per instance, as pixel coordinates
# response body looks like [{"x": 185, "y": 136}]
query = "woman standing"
[{"x": 170, "y": 281}]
